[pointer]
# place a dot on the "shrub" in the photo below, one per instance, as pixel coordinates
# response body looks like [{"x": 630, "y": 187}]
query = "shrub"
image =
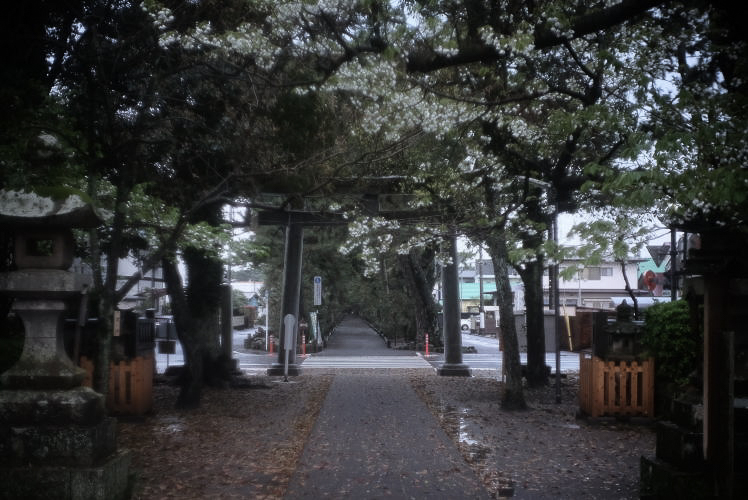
[{"x": 669, "y": 338}]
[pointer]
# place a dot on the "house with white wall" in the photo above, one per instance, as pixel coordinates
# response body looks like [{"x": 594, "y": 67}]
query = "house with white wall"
[{"x": 595, "y": 286}]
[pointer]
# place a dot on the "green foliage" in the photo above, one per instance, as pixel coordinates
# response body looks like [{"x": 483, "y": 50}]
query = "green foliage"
[
  {"x": 615, "y": 234},
  {"x": 668, "y": 337},
  {"x": 238, "y": 301}
]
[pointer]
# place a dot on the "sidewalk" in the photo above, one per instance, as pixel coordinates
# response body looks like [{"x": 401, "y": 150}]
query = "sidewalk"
[{"x": 375, "y": 438}]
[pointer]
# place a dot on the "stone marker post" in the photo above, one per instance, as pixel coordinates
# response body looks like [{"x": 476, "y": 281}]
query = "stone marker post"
[{"x": 56, "y": 440}]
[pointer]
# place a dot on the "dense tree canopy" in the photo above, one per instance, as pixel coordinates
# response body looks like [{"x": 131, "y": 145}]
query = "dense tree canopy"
[{"x": 494, "y": 115}]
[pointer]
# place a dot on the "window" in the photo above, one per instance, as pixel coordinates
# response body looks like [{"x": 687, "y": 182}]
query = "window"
[
  {"x": 606, "y": 271},
  {"x": 591, "y": 273}
]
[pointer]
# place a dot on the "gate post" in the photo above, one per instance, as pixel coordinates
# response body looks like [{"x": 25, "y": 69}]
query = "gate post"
[
  {"x": 453, "y": 365},
  {"x": 292, "y": 262}
]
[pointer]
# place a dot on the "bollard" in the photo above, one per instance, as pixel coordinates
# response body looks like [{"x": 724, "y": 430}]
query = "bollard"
[
  {"x": 303, "y": 345},
  {"x": 270, "y": 345},
  {"x": 427, "y": 344}
]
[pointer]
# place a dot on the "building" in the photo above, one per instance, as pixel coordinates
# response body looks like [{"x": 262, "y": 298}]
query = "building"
[
  {"x": 597, "y": 286},
  {"x": 600, "y": 286},
  {"x": 470, "y": 285}
]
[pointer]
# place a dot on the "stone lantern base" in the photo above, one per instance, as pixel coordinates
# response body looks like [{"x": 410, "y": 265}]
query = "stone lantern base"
[
  {"x": 108, "y": 480},
  {"x": 59, "y": 444}
]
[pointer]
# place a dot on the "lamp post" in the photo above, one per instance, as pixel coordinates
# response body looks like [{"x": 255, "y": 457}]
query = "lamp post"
[
  {"x": 673, "y": 270},
  {"x": 267, "y": 317},
  {"x": 481, "y": 309},
  {"x": 556, "y": 330},
  {"x": 553, "y": 293}
]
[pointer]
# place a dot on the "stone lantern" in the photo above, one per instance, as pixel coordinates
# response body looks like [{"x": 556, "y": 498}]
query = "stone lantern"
[{"x": 55, "y": 435}]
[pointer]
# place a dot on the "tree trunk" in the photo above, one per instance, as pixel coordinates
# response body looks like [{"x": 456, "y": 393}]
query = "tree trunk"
[
  {"x": 196, "y": 316},
  {"x": 418, "y": 267},
  {"x": 191, "y": 378},
  {"x": 629, "y": 290},
  {"x": 108, "y": 297},
  {"x": 532, "y": 278},
  {"x": 513, "y": 398}
]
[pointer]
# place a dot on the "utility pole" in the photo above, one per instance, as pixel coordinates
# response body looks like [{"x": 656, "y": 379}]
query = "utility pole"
[
  {"x": 673, "y": 271},
  {"x": 481, "y": 309}
]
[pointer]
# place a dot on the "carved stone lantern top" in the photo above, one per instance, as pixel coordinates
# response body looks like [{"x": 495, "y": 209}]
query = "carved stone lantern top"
[
  {"x": 42, "y": 227},
  {"x": 624, "y": 312},
  {"x": 31, "y": 210}
]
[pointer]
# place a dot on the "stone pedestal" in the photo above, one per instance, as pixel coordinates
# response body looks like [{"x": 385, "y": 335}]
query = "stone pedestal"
[
  {"x": 43, "y": 363},
  {"x": 59, "y": 444}
]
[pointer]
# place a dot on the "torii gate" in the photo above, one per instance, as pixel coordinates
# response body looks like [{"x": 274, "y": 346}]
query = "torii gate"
[{"x": 295, "y": 221}]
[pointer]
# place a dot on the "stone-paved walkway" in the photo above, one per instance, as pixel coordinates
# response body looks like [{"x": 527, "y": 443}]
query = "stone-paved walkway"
[{"x": 374, "y": 438}]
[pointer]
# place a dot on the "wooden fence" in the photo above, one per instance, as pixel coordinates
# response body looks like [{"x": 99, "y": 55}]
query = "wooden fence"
[
  {"x": 615, "y": 388},
  {"x": 130, "y": 385}
]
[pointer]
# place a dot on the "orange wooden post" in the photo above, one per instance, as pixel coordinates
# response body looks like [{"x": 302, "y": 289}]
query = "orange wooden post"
[
  {"x": 616, "y": 387},
  {"x": 130, "y": 385}
]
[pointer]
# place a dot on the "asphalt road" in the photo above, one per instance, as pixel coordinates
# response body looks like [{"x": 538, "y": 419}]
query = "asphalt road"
[
  {"x": 489, "y": 357},
  {"x": 358, "y": 347}
]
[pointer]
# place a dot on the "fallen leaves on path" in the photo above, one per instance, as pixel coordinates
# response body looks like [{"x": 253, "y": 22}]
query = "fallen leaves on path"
[
  {"x": 241, "y": 443},
  {"x": 543, "y": 452}
]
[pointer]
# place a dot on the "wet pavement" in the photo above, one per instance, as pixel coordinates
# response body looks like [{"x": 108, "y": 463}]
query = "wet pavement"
[
  {"x": 375, "y": 438},
  {"x": 354, "y": 337},
  {"x": 248, "y": 361}
]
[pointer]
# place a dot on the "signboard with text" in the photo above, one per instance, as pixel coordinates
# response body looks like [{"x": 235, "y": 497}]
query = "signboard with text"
[{"x": 318, "y": 290}]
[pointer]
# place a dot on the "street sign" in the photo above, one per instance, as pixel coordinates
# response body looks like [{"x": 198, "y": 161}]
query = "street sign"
[
  {"x": 658, "y": 252},
  {"x": 318, "y": 290}
]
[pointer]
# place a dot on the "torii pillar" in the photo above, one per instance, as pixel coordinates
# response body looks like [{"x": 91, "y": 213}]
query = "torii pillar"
[
  {"x": 292, "y": 264},
  {"x": 453, "y": 365}
]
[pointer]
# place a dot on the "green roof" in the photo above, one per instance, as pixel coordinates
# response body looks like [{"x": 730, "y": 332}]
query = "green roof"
[
  {"x": 649, "y": 265},
  {"x": 470, "y": 291}
]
